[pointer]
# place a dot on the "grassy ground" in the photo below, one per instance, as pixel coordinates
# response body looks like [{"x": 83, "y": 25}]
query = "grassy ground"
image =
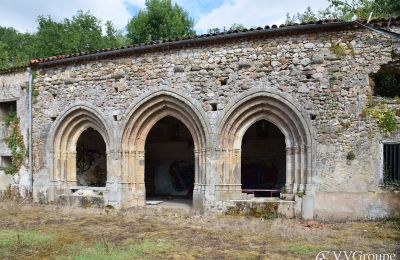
[{"x": 29, "y": 231}]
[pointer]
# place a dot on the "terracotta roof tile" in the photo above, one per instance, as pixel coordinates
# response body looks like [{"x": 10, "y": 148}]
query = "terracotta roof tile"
[{"x": 380, "y": 22}]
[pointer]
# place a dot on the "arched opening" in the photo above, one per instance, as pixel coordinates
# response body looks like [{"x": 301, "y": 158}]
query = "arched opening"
[
  {"x": 91, "y": 159},
  {"x": 263, "y": 160},
  {"x": 169, "y": 162},
  {"x": 293, "y": 123}
]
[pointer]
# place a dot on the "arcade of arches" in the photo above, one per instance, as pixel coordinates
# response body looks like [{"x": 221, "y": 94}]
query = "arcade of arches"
[{"x": 166, "y": 151}]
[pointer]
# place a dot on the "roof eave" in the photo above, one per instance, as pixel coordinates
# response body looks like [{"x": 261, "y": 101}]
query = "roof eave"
[{"x": 297, "y": 29}]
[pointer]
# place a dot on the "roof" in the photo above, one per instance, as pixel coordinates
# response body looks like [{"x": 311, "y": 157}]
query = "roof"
[
  {"x": 207, "y": 39},
  {"x": 14, "y": 69}
]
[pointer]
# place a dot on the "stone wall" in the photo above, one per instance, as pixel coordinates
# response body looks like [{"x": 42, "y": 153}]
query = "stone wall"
[
  {"x": 14, "y": 88},
  {"x": 325, "y": 74}
]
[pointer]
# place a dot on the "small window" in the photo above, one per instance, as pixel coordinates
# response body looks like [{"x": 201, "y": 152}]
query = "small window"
[
  {"x": 391, "y": 163},
  {"x": 5, "y": 162},
  {"x": 6, "y": 108},
  {"x": 386, "y": 82}
]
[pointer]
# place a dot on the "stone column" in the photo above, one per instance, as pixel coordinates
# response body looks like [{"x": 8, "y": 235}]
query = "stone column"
[
  {"x": 297, "y": 169},
  {"x": 303, "y": 167},
  {"x": 289, "y": 169},
  {"x": 56, "y": 167},
  {"x": 229, "y": 184},
  {"x": 71, "y": 168},
  {"x": 63, "y": 167},
  {"x": 139, "y": 171}
]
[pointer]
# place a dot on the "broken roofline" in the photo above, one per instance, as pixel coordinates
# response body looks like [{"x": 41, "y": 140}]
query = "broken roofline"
[{"x": 326, "y": 25}]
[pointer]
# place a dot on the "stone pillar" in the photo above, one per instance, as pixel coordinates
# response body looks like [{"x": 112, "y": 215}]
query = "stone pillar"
[
  {"x": 200, "y": 179},
  {"x": 303, "y": 168},
  {"x": 297, "y": 169},
  {"x": 229, "y": 185},
  {"x": 56, "y": 167},
  {"x": 308, "y": 171},
  {"x": 307, "y": 207},
  {"x": 289, "y": 169},
  {"x": 63, "y": 167},
  {"x": 139, "y": 171},
  {"x": 71, "y": 168}
]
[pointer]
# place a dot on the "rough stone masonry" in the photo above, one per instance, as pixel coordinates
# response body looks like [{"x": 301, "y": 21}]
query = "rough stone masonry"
[{"x": 311, "y": 81}]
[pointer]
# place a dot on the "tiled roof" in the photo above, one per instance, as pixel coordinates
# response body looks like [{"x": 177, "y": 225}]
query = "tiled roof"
[
  {"x": 195, "y": 40},
  {"x": 14, "y": 69},
  {"x": 166, "y": 44}
]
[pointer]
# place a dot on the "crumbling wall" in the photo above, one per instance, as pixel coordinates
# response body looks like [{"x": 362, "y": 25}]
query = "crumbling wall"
[
  {"x": 326, "y": 73},
  {"x": 13, "y": 90}
]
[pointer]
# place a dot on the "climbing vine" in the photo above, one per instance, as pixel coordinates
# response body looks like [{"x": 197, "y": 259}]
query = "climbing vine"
[
  {"x": 385, "y": 117},
  {"x": 337, "y": 49},
  {"x": 15, "y": 142}
]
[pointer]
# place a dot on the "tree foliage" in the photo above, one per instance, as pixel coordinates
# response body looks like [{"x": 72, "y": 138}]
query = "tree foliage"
[
  {"x": 83, "y": 32},
  {"x": 347, "y": 10},
  {"x": 160, "y": 20},
  {"x": 15, "y": 47}
]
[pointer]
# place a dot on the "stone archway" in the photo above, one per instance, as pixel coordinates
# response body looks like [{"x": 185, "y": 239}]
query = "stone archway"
[
  {"x": 140, "y": 121},
  {"x": 65, "y": 137},
  {"x": 279, "y": 110}
]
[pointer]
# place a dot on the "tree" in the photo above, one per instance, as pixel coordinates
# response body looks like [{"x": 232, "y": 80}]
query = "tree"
[
  {"x": 18, "y": 47},
  {"x": 237, "y": 27},
  {"x": 113, "y": 38},
  {"x": 4, "y": 57},
  {"x": 82, "y": 33},
  {"x": 361, "y": 9},
  {"x": 158, "y": 21},
  {"x": 347, "y": 10}
]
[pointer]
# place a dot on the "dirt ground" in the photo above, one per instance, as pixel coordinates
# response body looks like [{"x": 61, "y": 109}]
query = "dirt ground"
[{"x": 55, "y": 232}]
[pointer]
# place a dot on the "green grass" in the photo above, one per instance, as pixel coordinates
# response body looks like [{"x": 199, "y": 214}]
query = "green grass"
[
  {"x": 137, "y": 250},
  {"x": 303, "y": 249},
  {"x": 14, "y": 242}
]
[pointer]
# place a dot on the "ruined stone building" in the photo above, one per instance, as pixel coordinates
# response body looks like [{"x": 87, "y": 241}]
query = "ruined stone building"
[{"x": 286, "y": 115}]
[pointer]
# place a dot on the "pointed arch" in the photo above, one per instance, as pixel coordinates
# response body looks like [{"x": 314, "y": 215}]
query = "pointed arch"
[
  {"x": 279, "y": 109},
  {"x": 143, "y": 116},
  {"x": 64, "y": 136}
]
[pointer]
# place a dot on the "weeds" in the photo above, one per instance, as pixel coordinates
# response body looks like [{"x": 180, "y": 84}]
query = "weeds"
[{"x": 77, "y": 233}]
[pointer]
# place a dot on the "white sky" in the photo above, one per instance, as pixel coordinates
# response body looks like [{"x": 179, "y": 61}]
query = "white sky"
[{"x": 22, "y": 14}]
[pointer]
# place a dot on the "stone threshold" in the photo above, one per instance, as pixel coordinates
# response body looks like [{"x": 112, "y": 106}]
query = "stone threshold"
[{"x": 88, "y": 188}]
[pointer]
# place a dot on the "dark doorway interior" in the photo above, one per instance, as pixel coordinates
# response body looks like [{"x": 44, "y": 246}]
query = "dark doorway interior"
[
  {"x": 263, "y": 159},
  {"x": 91, "y": 159},
  {"x": 169, "y": 165}
]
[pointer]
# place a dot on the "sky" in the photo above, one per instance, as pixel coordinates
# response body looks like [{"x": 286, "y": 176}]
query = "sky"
[{"x": 22, "y": 14}]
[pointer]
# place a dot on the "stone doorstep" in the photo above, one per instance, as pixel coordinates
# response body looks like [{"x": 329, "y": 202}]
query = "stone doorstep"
[
  {"x": 88, "y": 188},
  {"x": 263, "y": 200},
  {"x": 81, "y": 201}
]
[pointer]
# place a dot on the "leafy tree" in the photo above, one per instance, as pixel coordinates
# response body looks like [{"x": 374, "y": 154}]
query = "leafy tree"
[
  {"x": 113, "y": 38},
  {"x": 82, "y": 33},
  {"x": 159, "y": 20},
  {"x": 18, "y": 47},
  {"x": 348, "y": 10},
  {"x": 213, "y": 30},
  {"x": 237, "y": 27},
  {"x": 4, "y": 57}
]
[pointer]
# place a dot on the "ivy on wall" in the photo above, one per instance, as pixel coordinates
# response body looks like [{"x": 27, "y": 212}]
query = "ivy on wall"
[
  {"x": 385, "y": 117},
  {"x": 15, "y": 142}
]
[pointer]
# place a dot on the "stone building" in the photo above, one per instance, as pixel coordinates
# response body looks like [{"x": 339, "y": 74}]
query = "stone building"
[{"x": 226, "y": 121}]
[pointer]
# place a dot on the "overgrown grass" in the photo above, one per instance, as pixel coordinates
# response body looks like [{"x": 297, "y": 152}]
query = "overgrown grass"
[
  {"x": 14, "y": 242},
  {"x": 139, "y": 250},
  {"x": 75, "y": 233}
]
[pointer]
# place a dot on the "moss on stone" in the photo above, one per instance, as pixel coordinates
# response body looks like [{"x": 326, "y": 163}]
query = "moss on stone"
[
  {"x": 337, "y": 49},
  {"x": 266, "y": 210}
]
